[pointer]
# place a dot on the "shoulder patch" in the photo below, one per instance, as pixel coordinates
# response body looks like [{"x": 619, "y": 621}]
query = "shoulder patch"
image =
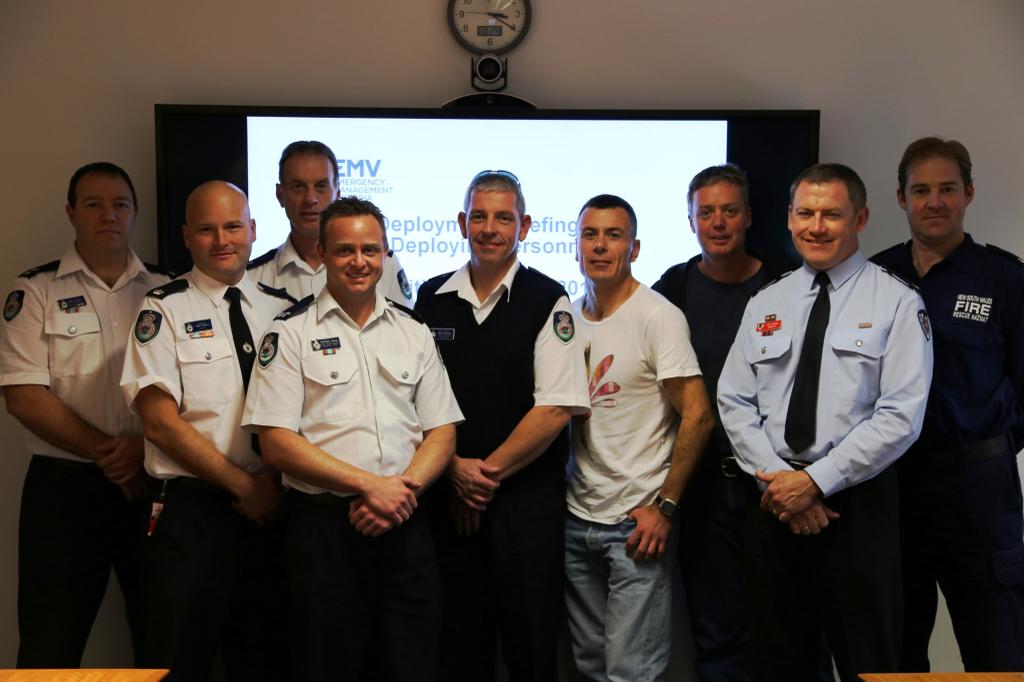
[
  {"x": 262, "y": 260},
  {"x": 45, "y": 267},
  {"x": 898, "y": 278},
  {"x": 774, "y": 280},
  {"x": 409, "y": 312},
  {"x": 992, "y": 248},
  {"x": 277, "y": 293},
  {"x": 175, "y": 286},
  {"x": 147, "y": 326},
  {"x": 296, "y": 308},
  {"x": 403, "y": 284},
  {"x": 563, "y": 325},
  {"x": 268, "y": 349},
  {"x": 12, "y": 306}
]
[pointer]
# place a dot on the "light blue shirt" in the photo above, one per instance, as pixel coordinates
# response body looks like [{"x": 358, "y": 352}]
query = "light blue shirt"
[{"x": 876, "y": 368}]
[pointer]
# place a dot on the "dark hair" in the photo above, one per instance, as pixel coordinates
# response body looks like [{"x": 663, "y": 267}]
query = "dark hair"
[
  {"x": 99, "y": 168},
  {"x": 608, "y": 201},
  {"x": 823, "y": 173},
  {"x": 496, "y": 181},
  {"x": 712, "y": 175},
  {"x": 349, "y": 206},
  {"x": 928, "y": 147},
  {"x": 311, "y": 147}
]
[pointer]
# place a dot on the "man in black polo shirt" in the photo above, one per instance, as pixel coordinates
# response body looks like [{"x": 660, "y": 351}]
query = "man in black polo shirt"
[
  {"x": 507, "y": 337},
  {"x": 712, "y": 289}
]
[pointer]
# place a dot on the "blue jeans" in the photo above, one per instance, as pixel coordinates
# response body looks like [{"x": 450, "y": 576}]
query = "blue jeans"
[{"x": 619, "y": 609}]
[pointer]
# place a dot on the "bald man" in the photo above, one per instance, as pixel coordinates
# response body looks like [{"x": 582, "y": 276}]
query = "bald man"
[{"x": 210, "y": 581}]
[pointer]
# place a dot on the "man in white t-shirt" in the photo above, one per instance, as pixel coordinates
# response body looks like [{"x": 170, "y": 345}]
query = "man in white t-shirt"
[{"x": 631, "y": 458}]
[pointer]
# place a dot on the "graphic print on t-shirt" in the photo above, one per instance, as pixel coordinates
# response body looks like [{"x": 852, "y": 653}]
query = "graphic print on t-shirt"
[{"x": 608, "y": 388}]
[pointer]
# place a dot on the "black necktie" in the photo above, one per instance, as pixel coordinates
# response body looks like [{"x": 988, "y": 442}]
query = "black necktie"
[
  {"x": 240, "y": 333},
  {"x": 803, "y": 404},
  {"x": 243, "y": 342}
]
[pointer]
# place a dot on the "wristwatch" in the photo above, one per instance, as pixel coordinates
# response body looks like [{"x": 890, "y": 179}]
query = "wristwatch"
[{"x": 665, "y": 506}]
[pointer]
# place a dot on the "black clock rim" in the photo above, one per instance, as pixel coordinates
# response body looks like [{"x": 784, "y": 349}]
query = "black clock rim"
[{"x": 476, "y": 50}]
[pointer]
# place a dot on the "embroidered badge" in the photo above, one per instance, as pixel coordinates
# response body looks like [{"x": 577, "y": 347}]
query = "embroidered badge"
[
  {"x": 403, "y": 283},
  {"x": 12, "y": 307},
  {"x": 148, "y": 325},
  {"x": 328, "y": 346},
  {"x": 926, "y": 325},
  {"x": 268, "y": 349},
  {"x": 71, "y": 305},
  {"x": 199, "y": 329},
  {"x": 971, "y": 307},
  {"x": 563, "y": 325},
  {"x": 443, "y": 333},
  {"x": 770, "y": 325}
]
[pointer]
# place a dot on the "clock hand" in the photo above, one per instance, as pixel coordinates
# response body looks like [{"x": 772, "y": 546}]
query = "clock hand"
[{"x": 501, "y": 17}]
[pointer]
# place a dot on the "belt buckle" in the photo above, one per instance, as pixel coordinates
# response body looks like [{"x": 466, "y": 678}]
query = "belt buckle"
[{"x": 725, "y": 467}]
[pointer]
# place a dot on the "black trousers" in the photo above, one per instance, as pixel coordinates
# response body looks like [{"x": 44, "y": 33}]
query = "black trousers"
[
  {"x": 75, "y": 526},
  {"x": 506, "y": 580},
  {"x": 213, "y": 582},
  {"x": 845, "y": 581},
  {"x": 963, "y": 530},
  {"x": 361, "y": 608}
]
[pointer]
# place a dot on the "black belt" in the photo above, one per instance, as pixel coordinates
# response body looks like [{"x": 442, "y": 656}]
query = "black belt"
[
  {"x": 326, "y": 499},
  {"x": 979, "y": 450},
  {"x": 192, "y": 484},
  {"x": 797, "y": 464}
]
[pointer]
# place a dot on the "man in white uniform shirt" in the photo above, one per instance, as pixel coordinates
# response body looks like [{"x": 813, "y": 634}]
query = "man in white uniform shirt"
[
  {"x": 307, "y": 183},
  {"x": 85, "y": 499},
  {"x": 353, "y": 404},
  {"x": 650, "y": 419},
  {"x": 210, "y": 570}
]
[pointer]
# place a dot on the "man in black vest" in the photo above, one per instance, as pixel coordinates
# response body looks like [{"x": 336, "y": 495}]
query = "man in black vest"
[{"x": 507, "y": 337}]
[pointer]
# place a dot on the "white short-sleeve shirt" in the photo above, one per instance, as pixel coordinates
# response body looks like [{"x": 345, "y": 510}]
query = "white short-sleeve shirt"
[
  {"x": 182, "y": 343},
  {"x": 64, "y": 328},
  {"x": 363, "y": 396},
  {"x": 623, "y": 451},
  {"x": 559, "y": 377}
]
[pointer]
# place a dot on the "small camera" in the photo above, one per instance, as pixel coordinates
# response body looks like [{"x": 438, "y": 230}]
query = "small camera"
[{"x": 489, "y": 73}]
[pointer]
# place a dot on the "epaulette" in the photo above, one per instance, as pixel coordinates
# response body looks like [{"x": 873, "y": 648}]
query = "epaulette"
[
  {"x": 775, "y": 280},
  {"x": 175, "y": 286},
  {"x": 1003, "y": 252},
  {"x": 296, "y": 308},
  {"x": 279, "y": 293},
  {"x": 898, "y": 278},
  {"x": 407, "y": 310},
  {"x": 45, "y": 267},
  {"x": 157, "y": 270},
  {"x": 262, "y": 260}
]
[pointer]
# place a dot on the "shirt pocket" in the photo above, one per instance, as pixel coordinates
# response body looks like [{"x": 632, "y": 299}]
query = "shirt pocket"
[
  {"x": 970, "y": 358},
  {"x": 76, "y": 346},
  {"x": 769, "y": 356},
  {"x": 331, "y": 391},
  {"x": 401, "y": 371},
  {"x": 857, "y": 368},
  {"x": 207, "y": 370}
]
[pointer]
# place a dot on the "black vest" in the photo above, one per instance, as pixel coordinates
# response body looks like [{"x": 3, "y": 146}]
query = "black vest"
[{"x": 491, "y": 366}]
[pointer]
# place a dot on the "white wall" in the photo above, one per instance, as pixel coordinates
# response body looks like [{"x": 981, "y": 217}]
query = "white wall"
[{"x": 78, "y": 82}]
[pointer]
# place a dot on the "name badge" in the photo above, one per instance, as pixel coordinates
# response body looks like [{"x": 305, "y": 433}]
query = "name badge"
[
  {"x": 328, "y": 346},
  {"x": 199, "y": 329},
  {"x": 71, "y": 305},
  {"x": 443, "y": 333}
]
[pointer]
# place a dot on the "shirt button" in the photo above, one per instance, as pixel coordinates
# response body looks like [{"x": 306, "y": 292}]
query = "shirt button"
[
  {"x": 764, "y": 349},
  {"x": 334, "y": 375},
  {"x": 859, "y": 343},
  {"x": 208, "y": 356},
  {"x": 405, "y": 375},
  {"x": 72, "y": 329}
]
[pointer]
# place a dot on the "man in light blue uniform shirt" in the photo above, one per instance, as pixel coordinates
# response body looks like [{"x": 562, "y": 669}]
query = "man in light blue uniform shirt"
[{"x": 822, "y": 552}]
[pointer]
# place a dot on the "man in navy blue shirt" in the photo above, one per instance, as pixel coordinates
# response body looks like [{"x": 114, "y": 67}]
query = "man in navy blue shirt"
[{"x": 960, "y": 486}]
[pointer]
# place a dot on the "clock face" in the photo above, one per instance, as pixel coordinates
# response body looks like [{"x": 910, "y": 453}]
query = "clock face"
[{"x": 484, "y": 26}]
